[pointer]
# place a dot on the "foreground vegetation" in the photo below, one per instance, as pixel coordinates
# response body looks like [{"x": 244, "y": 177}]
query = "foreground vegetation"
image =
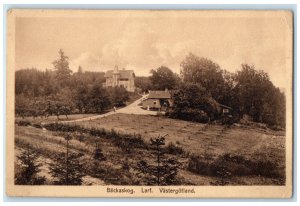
[{"x": 197, "y": 154}]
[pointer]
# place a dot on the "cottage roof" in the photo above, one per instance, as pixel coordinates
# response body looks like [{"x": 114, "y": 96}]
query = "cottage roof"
[
  {"x": 224, "y": 106},
  {"x": 159, "y": 95},
  {"x": 124, "y": 74}
]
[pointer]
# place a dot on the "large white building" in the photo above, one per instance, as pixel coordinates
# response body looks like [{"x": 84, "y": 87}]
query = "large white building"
[{"x": 121, "y": 78}]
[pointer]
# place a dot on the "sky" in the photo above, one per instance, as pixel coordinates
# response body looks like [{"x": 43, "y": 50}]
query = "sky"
[{"x": 149, "y": 40}]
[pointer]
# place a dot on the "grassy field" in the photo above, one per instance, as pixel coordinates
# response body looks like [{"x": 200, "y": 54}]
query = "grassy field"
[{"x": 197, "y": 140}]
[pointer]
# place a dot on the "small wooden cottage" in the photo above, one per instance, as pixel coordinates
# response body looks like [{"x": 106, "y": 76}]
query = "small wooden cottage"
[
  {"x": 225, "y": 110},
  {"x": 157, "y": 100}
]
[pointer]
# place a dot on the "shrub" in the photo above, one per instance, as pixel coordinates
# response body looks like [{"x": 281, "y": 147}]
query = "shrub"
[
  {"x": 23, "y": 123},
  {"x": 229, "y": 165},
  {"x": 227, "y": 120},
  {"x": 29, "y": 169},
  {"x": 67, "y": 169},
  {"x": 174, "y": 149},
  {"x": 190, "y": 114},
  {"x": 276, "y": 127},
  {"x": 163, "y": 172},
  {"x": 125, "y": 165},
  {"x": 81, "y": 137},
  {"x": 266, "y": 168},
  {"x": 110, "y": 174},
  {"x": 37, "y": 126},
  {"x": 124, "y": 141},
  {"x": 128, "y": 142},
  {"x": 98, "y": 155},
  {"x": 198, "y": 165}
]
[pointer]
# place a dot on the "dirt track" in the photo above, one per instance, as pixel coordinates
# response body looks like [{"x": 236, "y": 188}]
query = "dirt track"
[{"x": 133, "y": 108}]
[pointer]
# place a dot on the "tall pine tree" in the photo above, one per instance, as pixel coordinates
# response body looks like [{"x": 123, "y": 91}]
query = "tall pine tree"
[
  {"x": 67, "y": 169},
  {"x": 164, "y": 171},
  {"x": 29, "y": 168},
  {"x": 61, "y": 66}
]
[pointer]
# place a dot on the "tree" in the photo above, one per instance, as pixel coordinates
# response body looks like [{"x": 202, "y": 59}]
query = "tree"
[
  {"x": 79, "y": 70},
  {"x": 192, "y": 102},
  {"x": 143, "y": 83},
  {"x": 163, "y": 78},
  {"x": 204, "y": 72},
  {"x": 256, "y": 93},
  {"x": 34, "y": 83},
  {"x": 29, "y": 168},
  {"x": 61, "y": 66},
  {"x": 118, "y": 96},
  {"x": 98, "y": 99},
  {"x": 57, "y": 108},
  {"x": 22, "y": 105},
  {"x": 228, "y": 96},
  {"x": 81, "y": 98},
  {"x": 98, "y": 154},
  {"x": 67, "y": 169},
  {"x": 165, "y": 170}
]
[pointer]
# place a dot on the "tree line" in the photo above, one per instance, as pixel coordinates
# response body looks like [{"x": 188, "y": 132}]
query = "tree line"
[
  {"x": 198, "y": 91},
  {"x": 61, "y": 92},
  {"x": 202, "y": 86}
]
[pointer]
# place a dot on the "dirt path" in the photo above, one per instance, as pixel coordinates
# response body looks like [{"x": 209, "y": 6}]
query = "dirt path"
[{"x": 133, "y": 108}]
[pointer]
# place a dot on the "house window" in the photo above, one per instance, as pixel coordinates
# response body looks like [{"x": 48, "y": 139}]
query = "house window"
[{"x": 225, "y": 111}]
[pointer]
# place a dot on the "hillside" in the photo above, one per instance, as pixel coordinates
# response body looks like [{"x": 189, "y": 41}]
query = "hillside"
[{"x": 251, "y": 155}]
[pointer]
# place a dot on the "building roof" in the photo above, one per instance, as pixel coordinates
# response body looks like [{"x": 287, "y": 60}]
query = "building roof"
[
  {"x": 224, "y": 106},
  {"x": 159, "y": 94},
  {"x": 124, "y": 74}
]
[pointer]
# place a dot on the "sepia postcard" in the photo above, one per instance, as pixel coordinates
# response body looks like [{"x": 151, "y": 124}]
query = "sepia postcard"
[{"x": 149, "y": 103}]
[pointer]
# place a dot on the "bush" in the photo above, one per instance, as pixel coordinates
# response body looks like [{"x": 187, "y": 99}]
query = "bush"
[
  {"x": 193, "y": 102},
  {"x": 128, "y": 142},
  {"x": 27, "y": 172},
  {"x": 37, "y": 126},
  {"x": 163, "y": 171},
  {"x": 229, "y": 165},
  {"x": 110, "y": 174},
  {"x": 125, "y": 165},
  {"x": 266, "y": 168},
  {"x": 190, "y": 114},
  {"x": 124, "y": 141},
  {"x": 276, "y": 127},
  {"x": 81, "y": 137},
  {"x": 197, "y": 165},
  {"x": 174, "y": 149},
  {"x": 67, "y": 169},
  {"x": 98, "y": 155},
  {"x": 23, "y": 123},
  {"x": 59, "y": 127}
]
